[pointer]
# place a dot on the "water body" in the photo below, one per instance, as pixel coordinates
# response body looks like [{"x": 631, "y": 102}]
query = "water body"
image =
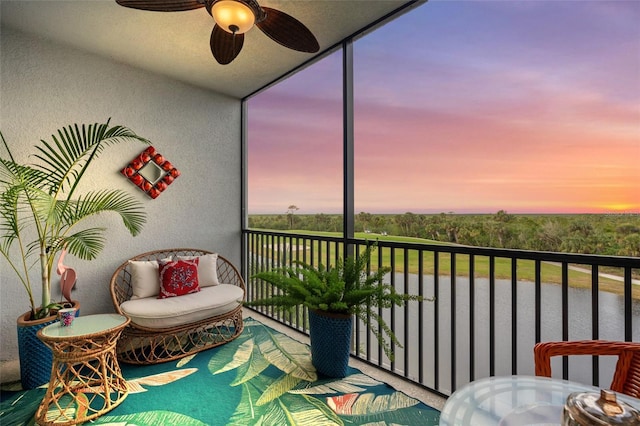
[{"x": 611, "y": 327}]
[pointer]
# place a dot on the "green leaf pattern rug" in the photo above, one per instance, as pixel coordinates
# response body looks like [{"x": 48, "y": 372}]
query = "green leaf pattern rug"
[{"x": 262, "y": 378}]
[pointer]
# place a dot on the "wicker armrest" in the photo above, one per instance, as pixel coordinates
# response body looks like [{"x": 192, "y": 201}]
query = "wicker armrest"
[{"x": 626, "y": 378}]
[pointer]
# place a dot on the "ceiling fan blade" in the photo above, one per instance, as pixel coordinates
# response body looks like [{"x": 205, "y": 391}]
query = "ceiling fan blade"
[
  {"x": 288, "y": 31},
  {"x": 162, "y": 5},
  {"x": 225, "y": 46}
]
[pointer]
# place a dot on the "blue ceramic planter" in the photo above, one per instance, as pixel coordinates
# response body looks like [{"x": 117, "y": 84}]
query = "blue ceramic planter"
[
  {"x": 35, "y": 357},
  {"x": 330, "y": 342}
]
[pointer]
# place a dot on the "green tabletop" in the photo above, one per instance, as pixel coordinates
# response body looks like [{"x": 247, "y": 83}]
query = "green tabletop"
[{"x": 84, "y": 325}]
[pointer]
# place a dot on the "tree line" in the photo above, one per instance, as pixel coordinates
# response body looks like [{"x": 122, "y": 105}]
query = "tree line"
[{"x": 605, "y": 234}]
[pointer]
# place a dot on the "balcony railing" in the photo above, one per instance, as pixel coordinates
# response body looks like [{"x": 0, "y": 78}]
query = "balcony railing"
[{"x": 491, "y": 305}]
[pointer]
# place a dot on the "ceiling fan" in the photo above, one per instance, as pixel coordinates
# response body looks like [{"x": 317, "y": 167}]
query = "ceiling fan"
[{"x": 235, "y": 17}]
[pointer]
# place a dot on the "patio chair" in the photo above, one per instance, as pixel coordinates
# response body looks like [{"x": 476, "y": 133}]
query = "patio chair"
[{"x": 626, "y": 378}]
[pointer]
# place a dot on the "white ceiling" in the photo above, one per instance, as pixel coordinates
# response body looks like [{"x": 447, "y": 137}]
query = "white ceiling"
[{"x": 176, "y": 44}]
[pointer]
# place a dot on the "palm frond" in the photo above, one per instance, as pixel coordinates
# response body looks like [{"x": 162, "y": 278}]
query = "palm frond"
[
  {"x": 289, "y": 355},
  {"x": 354, "y": 383},
  {"x": 67, "y": 157},
  {"x": 130, "y": 210},
  {"x": 10, "y": 226},
  {"x": 39, "y": 198},
  {"x": 252, "y": 369},
  {"x": 279, "y": 387},
  {"x": 85, "y": 244},
  {"x": 240, "y": 356}
]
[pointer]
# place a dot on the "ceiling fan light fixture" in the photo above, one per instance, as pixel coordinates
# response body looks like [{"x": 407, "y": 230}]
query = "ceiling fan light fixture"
[{"x": 233, "y": 16}]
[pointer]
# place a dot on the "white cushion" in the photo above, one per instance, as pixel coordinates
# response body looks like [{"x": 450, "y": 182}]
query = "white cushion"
[
  {"x": 207, "y": 268},
  {"x": 145, "y": 279},
  {"x": 162, "y": 313}
]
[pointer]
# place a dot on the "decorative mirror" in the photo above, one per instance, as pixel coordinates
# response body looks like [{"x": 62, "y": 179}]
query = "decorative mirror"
[{"x": 150, "y": 172}]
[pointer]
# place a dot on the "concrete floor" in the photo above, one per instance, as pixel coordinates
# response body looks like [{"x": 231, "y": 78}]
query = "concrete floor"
[{"x": 10, "y": 370}]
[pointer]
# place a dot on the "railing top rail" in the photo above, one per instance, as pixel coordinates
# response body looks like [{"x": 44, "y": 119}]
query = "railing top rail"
[{"x": 591, "y": 259}]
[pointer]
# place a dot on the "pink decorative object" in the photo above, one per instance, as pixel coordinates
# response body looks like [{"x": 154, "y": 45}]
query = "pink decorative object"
[
  {"x": 67, "y": 276},
  {"x": 150, "y": 172}
]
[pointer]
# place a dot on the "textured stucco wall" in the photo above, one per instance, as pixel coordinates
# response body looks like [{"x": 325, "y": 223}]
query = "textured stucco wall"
[{"x": 46, "y": 86}]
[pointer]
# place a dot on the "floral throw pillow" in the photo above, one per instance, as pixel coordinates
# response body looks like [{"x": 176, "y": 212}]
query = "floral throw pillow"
[{"x": 178, "y": 277}]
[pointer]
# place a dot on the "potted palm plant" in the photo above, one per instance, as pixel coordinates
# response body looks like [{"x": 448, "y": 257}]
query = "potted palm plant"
[
  {"x": 41, "y": 214},
  {"x": 333, "y": 295}
]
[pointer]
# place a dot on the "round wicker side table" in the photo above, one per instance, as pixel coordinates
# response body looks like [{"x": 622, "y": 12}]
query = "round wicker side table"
[{"x": 86, "y": 381}]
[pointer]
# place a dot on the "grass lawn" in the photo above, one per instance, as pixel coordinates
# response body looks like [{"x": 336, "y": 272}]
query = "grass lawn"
[{"x": 551, "y": 273}]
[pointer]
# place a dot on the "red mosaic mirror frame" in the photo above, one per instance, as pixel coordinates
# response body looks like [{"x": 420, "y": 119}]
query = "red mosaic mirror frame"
[{"x": 151, "y": 172}]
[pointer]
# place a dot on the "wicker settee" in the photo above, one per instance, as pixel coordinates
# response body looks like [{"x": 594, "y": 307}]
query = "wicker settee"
[{"x": 210, "y": 320}]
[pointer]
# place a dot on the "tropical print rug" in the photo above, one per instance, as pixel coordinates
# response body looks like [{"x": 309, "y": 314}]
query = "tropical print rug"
[{"x": 262, "y": 378}]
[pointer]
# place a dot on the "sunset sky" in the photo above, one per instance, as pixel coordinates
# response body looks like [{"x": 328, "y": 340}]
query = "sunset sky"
[{"x": 464, "y": 106}]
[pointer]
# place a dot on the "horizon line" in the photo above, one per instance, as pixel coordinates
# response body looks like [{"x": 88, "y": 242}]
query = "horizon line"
[{"x": 608, "y": 213}]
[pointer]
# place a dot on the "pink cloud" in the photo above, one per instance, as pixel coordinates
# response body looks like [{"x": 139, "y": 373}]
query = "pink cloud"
[{"x": 497, "y": 121}]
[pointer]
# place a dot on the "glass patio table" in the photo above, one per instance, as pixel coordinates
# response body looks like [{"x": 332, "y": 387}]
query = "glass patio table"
[
  {"x": 86, "y": 380},
  {"x": 514, "y": 400}
]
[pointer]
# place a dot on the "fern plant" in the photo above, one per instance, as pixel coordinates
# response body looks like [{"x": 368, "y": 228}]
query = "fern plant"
[{"x": 348, "y": 288}]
